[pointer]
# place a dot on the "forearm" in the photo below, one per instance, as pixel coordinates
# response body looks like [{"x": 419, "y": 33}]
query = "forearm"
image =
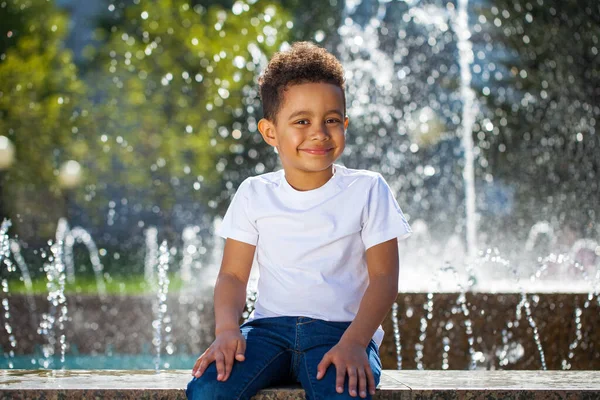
[
  {"x": 230, "y": 300},
  {"x": 374, "y": 306}
]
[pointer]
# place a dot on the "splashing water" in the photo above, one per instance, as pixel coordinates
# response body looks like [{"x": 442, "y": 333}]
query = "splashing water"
[
  {"x": 151, "y": 254},
  {"x": 397, "y": 340},
  {"x": 15, "y": 249},
  {"x": 52, "y": 324},
  {"x": 461, "y": 302},
  {"x": 505, "y": 354},
  {"x": 62, "y": 237},
  {"x": 5, "y": 260},
  {"x": 578, "y": 312},
  {"x": 250, "y": 300},
  {"x": 81, "y": 235},
  {"x": 538, "y": 229},
  {"x": 419, "y": 346},
  {"x": 468, "y": 328},
  {"x": 161, "y": 300},
  {"x": 446, "y": 350},
  {"x": 68, "y": 237},
  {"x": 192, "y": 246},
  {"x": 566, "y": 363},
  {"x": 571, "y": 261},
  {"x": 584, "y": 244},
  {"x": 536, "y": 336},
  {"x": 465, "y": 59}
]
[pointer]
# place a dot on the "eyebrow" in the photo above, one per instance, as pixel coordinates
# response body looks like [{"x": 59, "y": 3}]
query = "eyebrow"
[{"x": 306, "y": 112}]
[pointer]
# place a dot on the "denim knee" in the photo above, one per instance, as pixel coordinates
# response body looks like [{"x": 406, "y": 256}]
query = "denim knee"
[{"x": 207, "y": 388}]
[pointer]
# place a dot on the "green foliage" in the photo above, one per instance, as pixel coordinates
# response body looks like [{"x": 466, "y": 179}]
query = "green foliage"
[
  {"x": 152, "y": 118},
  {"x": 169, "y": 83},
  {"x": 121, "y": 285},
  {"x": 42, "y": 111}
]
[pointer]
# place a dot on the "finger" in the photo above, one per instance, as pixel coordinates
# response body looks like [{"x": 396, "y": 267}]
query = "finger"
[
  {"x": 240, "y": 352},
  {"x": 370, "y": 380},
  {"x": 220, "y": 360},
  {"x": 352, "y": 381},
  {"x": 203, "y": 362},
  {"x": 229, "y": 355},
  {"x": 362, "y": 383},
  {"x": 340, "y": 377},
  {"x": 201, "y": 368},
  {"x": 196, "y": 365},
  {"x": 323, "y": 365}
]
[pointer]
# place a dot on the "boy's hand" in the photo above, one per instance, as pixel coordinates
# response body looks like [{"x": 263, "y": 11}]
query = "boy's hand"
[
  {"x": 350, "y": 359},
  {"x": 227, "y": 346}
]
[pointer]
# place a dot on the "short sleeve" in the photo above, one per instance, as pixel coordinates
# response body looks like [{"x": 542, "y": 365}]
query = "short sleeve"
[
  {"x": 383, "y": 219},
  {"x": 238, "y": 223}
]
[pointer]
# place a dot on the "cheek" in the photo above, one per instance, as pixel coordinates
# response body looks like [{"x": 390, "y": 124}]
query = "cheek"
[
  {"x": 295, "y": 138},
  {"x": 341, "y": 142},
  {"x": 340, "y": 136}
]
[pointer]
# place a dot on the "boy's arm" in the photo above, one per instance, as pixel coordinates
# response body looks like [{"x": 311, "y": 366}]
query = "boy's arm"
[
  {"x": 230, "y": 297},
  {"x": 230, "y": 289},
  {"x": 349, "y": 354},
  {"x": 382, "y": 264}
]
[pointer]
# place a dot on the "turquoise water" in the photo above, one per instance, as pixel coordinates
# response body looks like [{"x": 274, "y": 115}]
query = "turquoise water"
[{"x": 116, "y": 361}]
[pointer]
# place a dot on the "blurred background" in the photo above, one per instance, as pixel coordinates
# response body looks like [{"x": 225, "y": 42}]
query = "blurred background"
[{"x": 125, "y": 116}]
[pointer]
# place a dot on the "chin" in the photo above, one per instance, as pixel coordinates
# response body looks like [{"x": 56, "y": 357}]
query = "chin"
[{"x": 317, "y": 168}]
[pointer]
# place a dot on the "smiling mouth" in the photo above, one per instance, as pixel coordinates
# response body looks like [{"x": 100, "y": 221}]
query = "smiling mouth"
[{"x": 317, "y": 151}]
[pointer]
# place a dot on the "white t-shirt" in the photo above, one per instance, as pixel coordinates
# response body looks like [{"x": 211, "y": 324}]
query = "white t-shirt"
[{"x": 310, "y": 245}]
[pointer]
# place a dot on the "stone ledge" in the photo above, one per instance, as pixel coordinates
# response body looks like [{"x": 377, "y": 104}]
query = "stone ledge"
[{"x": 123, "y": 384}]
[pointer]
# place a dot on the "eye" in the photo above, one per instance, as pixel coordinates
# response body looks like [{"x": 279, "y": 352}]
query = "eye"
[
  {"x": 302, "y": 122},
  {"x": 332, "y": 121}
]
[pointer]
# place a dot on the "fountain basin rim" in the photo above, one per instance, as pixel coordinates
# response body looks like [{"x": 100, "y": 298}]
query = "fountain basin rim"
[{"x": 530, "y": 382}]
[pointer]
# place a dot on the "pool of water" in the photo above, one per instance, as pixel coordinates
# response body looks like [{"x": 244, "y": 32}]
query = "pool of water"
[{"x": 115, "y": 361}]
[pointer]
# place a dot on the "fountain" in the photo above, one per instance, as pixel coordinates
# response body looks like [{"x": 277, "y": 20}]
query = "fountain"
[
  {"x": 491, "y": 279},
  {"x": 466, "y": 342}
]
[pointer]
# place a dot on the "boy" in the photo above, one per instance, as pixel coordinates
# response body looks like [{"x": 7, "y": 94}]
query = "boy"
[{"x": 325, "y": 239}]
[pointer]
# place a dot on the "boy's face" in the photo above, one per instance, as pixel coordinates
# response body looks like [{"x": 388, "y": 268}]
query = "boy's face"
[{"x": 309, "y": 132}]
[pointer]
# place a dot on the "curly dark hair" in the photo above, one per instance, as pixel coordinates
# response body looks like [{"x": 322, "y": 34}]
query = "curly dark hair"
[{"x": 304, "y": 62}]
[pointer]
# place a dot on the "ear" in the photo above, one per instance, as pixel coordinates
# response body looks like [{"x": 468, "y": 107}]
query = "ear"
[
  {"x": 346, "y": 120},
  {"x": 267, "y": 130}
]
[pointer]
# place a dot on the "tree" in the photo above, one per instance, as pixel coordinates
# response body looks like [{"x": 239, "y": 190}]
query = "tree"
[
  {"x": 169, "y": 81},
  {"x": 42, "y": 111}
]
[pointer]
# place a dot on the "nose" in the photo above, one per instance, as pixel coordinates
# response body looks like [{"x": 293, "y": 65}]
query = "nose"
[{"x": 320, "y": 132}]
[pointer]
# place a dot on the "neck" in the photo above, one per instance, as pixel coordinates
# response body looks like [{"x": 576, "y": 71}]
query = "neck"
[{"x": 303, "y": 181}]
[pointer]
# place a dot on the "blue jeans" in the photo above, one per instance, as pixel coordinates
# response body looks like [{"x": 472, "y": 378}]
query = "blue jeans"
[{"x": 279, "y": 351}]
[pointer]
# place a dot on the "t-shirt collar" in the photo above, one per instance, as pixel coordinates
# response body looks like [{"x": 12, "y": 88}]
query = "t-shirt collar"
[{"x": 330, "y": 187}]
